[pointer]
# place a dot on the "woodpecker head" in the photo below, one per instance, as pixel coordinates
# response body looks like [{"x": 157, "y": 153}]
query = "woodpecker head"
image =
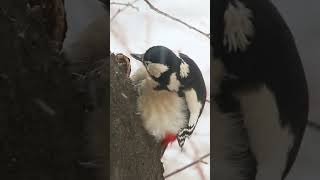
[
  {"x": 165, "y": 67},
  {"x": 158, "y": 60}
]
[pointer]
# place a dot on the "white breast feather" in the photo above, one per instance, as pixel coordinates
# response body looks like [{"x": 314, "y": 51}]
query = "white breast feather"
[{"x": 162, "y": 111}]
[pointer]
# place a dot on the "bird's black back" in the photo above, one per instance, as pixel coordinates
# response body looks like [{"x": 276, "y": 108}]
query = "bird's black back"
[{"x": 194, "y": 80}]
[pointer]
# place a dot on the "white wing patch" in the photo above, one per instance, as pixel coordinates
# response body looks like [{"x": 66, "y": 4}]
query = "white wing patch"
[
  {"x": 156, "y": 69},
  {"x": 238, "y": 27},
  {"x": 184, "y": 67},
  {"x": 184, "y": 70},
  {"x": 269, "y": 141},
  {"x": 174, "y": 83},
  {"x": 194, "y": 106}
]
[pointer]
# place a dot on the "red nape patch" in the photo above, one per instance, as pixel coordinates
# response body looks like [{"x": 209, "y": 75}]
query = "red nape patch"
[{"x": 169, "y": 138}]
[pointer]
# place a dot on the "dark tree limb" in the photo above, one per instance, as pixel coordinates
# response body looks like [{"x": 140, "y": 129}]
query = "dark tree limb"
[
  {"x": 125, "y": 4},
  {"x": 207, "y": 35},
  {"x": 122, "y": 9}
]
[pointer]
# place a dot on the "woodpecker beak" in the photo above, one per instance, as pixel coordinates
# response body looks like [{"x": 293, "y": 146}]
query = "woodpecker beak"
[{"x": 138, "y": 57}]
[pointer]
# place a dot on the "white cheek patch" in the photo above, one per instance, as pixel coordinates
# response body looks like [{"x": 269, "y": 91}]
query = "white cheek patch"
[
  {"x": 156, "y": 69},
  {"x": 194, "y": 106},
  {"x": 174, "y": 83},
  {"x": 238, "y": 27},
  {"x": 184, "y": 70}
]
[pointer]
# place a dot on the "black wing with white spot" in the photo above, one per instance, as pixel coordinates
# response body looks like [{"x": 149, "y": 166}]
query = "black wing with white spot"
[{"x": 194, "y": 91}]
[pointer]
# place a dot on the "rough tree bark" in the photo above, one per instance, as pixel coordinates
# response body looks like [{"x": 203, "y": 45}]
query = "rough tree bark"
[{"x": 134, "y": 154}]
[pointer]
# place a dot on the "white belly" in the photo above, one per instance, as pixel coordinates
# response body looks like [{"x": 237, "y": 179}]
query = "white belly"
[{"x": 162, "y": 111}]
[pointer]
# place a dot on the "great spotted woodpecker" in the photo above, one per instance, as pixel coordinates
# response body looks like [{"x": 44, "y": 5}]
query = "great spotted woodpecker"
[
  {"x": 172, "y": 94},
  {"x": 260, "y": 95}
]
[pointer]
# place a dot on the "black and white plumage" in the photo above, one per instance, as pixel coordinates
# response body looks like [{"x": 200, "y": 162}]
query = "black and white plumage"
[
  {"x": 178, "y": 89},
  {"x": 260, "y": 95}
]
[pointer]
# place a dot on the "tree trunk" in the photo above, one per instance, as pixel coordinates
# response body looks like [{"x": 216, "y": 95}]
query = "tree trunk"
[{"x": 134, "y": 154}]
